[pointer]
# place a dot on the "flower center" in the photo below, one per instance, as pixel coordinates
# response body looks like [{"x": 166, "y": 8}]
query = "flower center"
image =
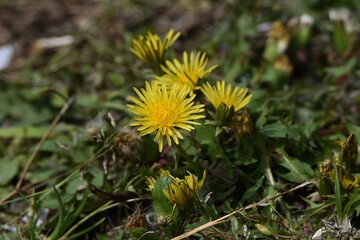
[{"x": 164, "y": 114}]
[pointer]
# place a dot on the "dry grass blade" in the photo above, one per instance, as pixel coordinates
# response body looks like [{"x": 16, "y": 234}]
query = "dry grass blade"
[{"x": 225, "y": 218}]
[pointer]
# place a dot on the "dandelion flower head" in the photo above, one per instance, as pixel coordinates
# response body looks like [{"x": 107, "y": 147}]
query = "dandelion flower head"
[
  {"x": 164, "y": 111},
  {"x": 279, "y": 34},
  {"x": 189, "y": 72},
  {"x": 283, "y": 64},
  {"x": 182, "y": 191},
  {"x": 150, "y": 181},
  {"x": 151, "y": 48},
  {"x": 224, "y": 93}
]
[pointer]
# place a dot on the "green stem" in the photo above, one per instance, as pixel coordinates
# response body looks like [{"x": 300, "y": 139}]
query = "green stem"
[
  {"x": 271, "y": 179},
  {"x": 268, "y": 173},
  {"x": 269, "y": 176},
  {"x": 338, "y": 192},
  {"x": 182, "y": 152}
]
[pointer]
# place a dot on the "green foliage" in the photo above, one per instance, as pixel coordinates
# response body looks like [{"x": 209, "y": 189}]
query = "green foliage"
[
  {"x": 164, "y": 210},
  {"x": 8, "y": 169},
  {"x": 250, "y": 192},
  {"x": 276, "y": 130},
  {"x": 297, "y": 171},
  {"x": 66, "y": 218},
  {"x": 337, "y": 72}
]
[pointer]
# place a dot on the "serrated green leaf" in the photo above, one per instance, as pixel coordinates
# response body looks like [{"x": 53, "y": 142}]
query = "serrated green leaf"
[
  {"x": 298, "y": 171},
  {"x": 276, "y": 130},
  {"x": 295, "y": 132},
  {"x": 252, "y": 190},
  {"x": 339, "y": 71},
  {"x": 205, "y": 134}
]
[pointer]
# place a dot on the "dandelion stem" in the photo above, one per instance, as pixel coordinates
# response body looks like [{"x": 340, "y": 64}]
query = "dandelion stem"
[
  {"x": 268, "y": 172},
  {"x": 183, "y": 153}
]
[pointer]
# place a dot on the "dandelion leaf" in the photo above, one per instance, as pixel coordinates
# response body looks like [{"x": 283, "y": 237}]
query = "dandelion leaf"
[{"x": 164, "y": 210}]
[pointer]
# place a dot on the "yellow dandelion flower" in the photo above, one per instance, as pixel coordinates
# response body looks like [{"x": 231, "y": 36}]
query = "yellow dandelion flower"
[
  {"x": 150, "y": 181},
  {"x": 151, "y": 48},
  {"x": 189, "y": 72},
  {"x": 279, "y": 34},
  {"x": 327, "y": 170},
  {"x": 183, "y": 191},
  {"x": 242, "y": 123},
  {"x": 277, "y": 42},
  {"x": 283, "y": 64},
  {"x": 164, "y": 173},
  {"x": 349, "y": 182},
  {"x": 225, "y": 94},
  {"x": 178, "y": 193},
  {"x": 194, "y": 184},
  {"x": 165, "y": 111}
]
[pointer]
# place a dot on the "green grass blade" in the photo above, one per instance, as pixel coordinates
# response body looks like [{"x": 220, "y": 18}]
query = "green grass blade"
[
  {"x": 338, "y": 192},
  {"x": 87, "y": 229},
  {"x": 106, "y": 206},
  {"x": 68, "y": 221},
  {"x": 59, "y": 225}
]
